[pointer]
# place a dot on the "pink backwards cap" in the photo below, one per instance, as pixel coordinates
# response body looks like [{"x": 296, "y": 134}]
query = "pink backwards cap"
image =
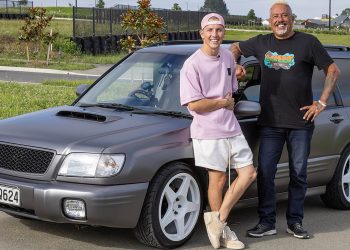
[{"x": 215, "y": 19}]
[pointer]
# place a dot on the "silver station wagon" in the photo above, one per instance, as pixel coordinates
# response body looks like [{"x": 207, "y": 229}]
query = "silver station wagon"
[{"x": 121, "y": 154}]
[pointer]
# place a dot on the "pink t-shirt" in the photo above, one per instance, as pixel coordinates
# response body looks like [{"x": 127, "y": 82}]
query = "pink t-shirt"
[{"x": 212, "y": 77}]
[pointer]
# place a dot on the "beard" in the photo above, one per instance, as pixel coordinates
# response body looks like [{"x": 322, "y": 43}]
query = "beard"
[{"x": 279, "y": 31}]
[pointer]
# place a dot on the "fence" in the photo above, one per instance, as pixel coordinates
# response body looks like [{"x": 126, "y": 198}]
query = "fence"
[
  {"x": 101, "y": 22},
  {"x": 14, "y": 9}
]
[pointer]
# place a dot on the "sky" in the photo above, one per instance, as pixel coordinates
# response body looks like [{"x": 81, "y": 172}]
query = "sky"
[{"x": 304, "y": 9}]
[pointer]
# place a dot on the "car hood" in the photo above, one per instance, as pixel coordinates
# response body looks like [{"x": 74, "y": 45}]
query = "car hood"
[{"x": 73, "y": 129}]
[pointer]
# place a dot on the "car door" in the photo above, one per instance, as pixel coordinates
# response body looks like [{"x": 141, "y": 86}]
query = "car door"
[
  {"x": 332, "y": 128},
  {"x": 328, "y": 126}
]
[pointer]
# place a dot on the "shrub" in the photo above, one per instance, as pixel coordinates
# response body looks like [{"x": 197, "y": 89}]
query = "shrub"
[
  {"x": 144, "y": 24},
  {"x": 66, "y": 45}
]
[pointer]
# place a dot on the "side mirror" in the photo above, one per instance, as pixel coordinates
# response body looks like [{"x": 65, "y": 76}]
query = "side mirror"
[
  {"x": 247, "y": 108},
  {"x": 81, "y": 89}
]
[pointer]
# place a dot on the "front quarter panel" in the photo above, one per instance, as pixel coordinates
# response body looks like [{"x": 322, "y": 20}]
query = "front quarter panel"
[{"x": 147, "y": 152}]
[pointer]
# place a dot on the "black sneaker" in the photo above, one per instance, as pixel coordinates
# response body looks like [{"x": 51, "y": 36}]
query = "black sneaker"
[
  {"x": 298, "y": 231},
  {"x": 261, "y": 230}
]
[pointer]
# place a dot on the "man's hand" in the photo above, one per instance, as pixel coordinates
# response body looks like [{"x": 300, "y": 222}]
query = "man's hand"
[
  {"x": 312, "y": 111},
  {"x": 235, "y": 50},
  {"x": 230, "y": 101},
  {"x": 240, "y": 71}
]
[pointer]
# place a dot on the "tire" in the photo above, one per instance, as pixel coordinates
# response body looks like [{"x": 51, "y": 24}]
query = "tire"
[
  {"x": 171, "y": 209},
  {"x": 338, "y": 189}
]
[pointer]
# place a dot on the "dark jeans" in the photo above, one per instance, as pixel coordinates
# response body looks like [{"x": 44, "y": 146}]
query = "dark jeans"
[{"x": 272, "y": 141}]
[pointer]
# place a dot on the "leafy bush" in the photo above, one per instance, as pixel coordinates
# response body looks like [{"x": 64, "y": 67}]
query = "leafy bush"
[
  {"x": 143, "y": 24},
  {"x": 66, "y": 45}
]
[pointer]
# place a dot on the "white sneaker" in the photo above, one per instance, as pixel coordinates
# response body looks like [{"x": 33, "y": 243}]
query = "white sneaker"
[
  {"x": 214, "y": 228},
  {"x": 230, "y": 240}
]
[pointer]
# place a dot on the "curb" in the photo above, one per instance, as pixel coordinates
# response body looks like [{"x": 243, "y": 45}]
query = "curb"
[{"x": 47, "y": 71}]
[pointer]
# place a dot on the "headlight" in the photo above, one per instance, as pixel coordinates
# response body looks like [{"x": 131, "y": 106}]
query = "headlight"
[{"x": 91, "y": 165}]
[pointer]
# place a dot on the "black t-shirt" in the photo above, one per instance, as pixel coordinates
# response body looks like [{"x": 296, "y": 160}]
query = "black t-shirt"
[{"x": 287, "y": 67}]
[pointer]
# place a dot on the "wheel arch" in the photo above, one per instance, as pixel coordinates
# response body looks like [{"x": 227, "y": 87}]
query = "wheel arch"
[{"x": 200, "y": 176}]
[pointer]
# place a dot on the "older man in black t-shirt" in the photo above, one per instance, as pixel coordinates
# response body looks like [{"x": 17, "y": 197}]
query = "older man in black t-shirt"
[{"x": 287, "y": 59}]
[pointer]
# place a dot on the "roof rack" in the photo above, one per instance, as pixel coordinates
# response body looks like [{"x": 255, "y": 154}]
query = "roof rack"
[{"x": 336, "y": 47}]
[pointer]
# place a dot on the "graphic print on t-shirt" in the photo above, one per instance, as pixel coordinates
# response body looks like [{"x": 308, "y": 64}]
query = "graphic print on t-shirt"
[{"x": 275, "y": 61}]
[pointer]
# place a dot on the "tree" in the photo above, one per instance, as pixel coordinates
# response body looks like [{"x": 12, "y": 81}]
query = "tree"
[
  {"x": 33, "y": 31},
  {"x": 346, "y": 12},
  {"x": 218, "y": 6},
  {"x": 251, "y": 15},
  {"x": 176, "y": 6},
  {"x": 142, "y": 24},
  {"x": 100, "y": 4}
]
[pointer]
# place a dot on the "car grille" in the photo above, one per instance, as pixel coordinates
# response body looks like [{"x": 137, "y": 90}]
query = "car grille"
[{"x": 25, "y": 160}]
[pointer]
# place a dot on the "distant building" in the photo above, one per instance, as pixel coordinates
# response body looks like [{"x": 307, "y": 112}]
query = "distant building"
[
  {"x": 324, "y": 16},
  {"x": 299, "y": 24},
  {"x": 265, "y": 23},
  {"x": 315, "y": 23},
  {"x": 341, "y": 21}
]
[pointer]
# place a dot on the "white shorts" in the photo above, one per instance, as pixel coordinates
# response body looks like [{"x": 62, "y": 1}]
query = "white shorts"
[{"x": 215, "y": 154}]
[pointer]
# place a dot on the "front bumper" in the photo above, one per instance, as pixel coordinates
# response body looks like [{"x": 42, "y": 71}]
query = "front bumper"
[{"x": 111, "y": 206}]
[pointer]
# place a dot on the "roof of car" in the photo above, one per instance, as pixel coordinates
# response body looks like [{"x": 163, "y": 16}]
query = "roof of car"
[
  {"x": 179, "y": 47},
  {"x": 189, "y": 47}
]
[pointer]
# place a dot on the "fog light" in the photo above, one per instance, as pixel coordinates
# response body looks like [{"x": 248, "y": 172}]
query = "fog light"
[{"x": 74, "y": 209}]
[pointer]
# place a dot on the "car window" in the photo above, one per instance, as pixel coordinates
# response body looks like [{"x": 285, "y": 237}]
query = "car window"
[
  {"x": 145, "y": 80},
  {"x": 344, "y": 80},
  {"x": 249, "y": 86},
  {"x": 129, "y": 80},
  {"x": 318, "y": 79}
]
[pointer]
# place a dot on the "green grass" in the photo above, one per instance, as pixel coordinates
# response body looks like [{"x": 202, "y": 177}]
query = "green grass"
[
  {"x": 324, "y": 38},
  {"x": 14, "y": 10},
  {"x": 65, "y": 12},
  {"x": 42, "y": 64},
  {"x": 241, "y": 35},
  {"x": 12, "y": 27},
  {"x": 12, "y": 51},
  {"x": 16, "y": 99},
  {"x": 334, "y": 39},
  {"x": 66, "y": 83}
]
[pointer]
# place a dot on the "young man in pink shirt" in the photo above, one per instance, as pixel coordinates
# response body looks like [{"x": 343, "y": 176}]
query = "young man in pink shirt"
[{"x": 207, "y": 81}]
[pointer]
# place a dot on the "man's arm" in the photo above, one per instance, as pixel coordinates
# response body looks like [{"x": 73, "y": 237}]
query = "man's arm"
[
  {"x": 235, "y": 50},
  {"x": 332, "y": 74},
  {"x": 209, "y": 105}
]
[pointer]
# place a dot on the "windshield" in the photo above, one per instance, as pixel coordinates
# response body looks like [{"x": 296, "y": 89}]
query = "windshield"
[{"x": 149, "y": 81}]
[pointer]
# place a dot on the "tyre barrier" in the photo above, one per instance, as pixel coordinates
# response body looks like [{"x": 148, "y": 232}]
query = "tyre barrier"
[
  {"x": 96, "y": 43},
  {"x": 110, "y": 44},
  {"x": 88, "y": 46},
  {"x": 79, "y": 42},
  {"x": 13, "y": 16}
]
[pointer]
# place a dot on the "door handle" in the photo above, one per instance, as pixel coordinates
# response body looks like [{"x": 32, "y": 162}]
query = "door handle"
[{"x": 336, "y": 118}]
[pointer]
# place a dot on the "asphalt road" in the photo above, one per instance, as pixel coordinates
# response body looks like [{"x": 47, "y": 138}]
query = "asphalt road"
[
  {"x": 330, "y": 229},
  {"x": 31, "y": 77},
  {"x": 36, "y": 75}
]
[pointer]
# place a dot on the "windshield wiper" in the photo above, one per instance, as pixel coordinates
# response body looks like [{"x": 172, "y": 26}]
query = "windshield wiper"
[
  {"x": 116, "y": 106},
  {"x": 162, "y": 112}
]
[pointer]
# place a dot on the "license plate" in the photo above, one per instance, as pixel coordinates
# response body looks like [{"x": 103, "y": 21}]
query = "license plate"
[{"x": 9, "y": 195}]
